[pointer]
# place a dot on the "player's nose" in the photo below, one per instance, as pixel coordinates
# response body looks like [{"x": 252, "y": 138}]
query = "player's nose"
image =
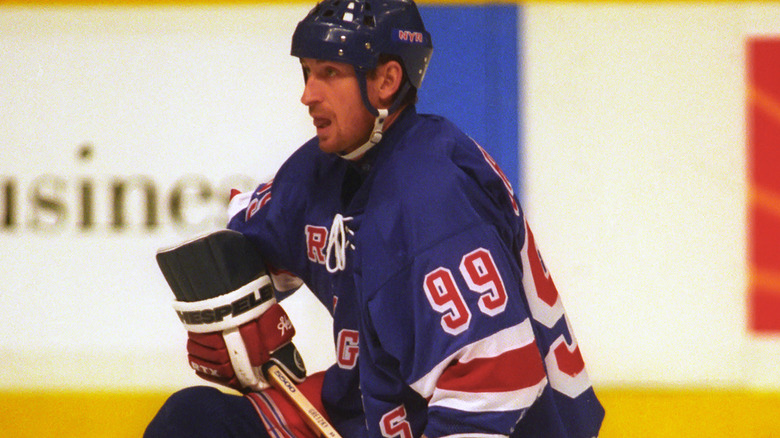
[{"x": 310, "y": 94}]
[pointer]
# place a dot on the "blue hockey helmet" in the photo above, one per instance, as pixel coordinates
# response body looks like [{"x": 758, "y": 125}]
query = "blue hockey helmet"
[{"x": 357, "y": 32}]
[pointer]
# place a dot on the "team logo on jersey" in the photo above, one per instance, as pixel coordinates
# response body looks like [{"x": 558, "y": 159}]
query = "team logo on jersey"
[
  {"x": 324, "y": 247},
  {"x": 316, "y": 242},
  {"x": 347, "y": 348}
]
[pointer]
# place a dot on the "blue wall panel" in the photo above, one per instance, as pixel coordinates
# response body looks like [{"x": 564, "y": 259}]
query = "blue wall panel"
[{"x": 473, "y": 76}]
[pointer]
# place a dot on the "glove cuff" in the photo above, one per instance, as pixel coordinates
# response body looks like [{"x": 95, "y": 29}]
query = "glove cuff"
[{"x": 229, "y": 310}]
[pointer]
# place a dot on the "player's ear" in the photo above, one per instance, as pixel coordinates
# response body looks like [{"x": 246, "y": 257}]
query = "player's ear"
[{"x": 390, "y": 75}]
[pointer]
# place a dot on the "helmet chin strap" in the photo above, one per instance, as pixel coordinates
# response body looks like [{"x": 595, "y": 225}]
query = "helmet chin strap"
[
  {"x": 379, "y": 119},
  {"x": 373, "y": 139}
]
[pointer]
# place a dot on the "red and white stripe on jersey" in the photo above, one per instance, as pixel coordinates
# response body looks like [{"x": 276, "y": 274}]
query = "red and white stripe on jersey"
[{"x": 502, "y": 372}]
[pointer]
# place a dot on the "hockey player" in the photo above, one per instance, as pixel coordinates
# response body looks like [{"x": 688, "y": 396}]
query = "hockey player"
[{"x": 445, "y": 319}]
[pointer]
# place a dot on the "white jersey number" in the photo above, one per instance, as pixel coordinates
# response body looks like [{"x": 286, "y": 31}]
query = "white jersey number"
[
  {"x": 565, "y": 367},
  {"x": 481, "y": 275}
]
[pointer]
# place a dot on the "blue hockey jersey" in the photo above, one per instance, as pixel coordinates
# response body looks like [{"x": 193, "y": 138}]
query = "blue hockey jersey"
[{"x": 445, "y": 319}]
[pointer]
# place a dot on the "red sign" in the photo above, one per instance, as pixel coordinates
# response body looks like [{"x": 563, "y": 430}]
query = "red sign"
[{"x": 763, "y": 114}]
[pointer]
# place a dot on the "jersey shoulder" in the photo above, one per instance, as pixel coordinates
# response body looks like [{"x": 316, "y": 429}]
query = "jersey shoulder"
[
  {"x": 425, "y": 163},
  {"x": 436, "y": 156},
  {"x": 435, "y": 184},
  {"x": 438, "y": 174}
]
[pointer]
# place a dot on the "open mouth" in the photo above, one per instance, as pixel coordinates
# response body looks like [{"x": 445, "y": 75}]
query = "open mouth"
[{"x": 321, "y": 122}]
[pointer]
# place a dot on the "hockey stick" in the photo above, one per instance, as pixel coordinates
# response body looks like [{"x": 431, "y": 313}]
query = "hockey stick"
[{"x": 311, "y": 415}]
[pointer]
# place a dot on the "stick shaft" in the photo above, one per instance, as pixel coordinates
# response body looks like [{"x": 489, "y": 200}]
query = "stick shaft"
[{"x": 313, "y": 418}]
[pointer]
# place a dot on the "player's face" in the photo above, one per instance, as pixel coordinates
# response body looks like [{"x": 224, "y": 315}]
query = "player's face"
[{"x": 332, "y": 94}]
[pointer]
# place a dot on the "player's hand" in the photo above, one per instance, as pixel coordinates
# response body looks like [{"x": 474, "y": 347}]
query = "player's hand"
[{"x": 267, "y": 338}]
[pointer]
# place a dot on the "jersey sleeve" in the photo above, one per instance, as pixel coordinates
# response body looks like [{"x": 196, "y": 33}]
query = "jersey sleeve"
[
  {"x": 455, "y": 324},
  {"x": 464, "y": 333},
  {"x": 272, "y": 218}
]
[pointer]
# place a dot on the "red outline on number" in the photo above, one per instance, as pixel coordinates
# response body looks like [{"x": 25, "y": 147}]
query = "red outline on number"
[
  {"x": 453, "y": 311},
  {"x": 492, "y": 300},
  {"x": 394, "y": 424}
]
